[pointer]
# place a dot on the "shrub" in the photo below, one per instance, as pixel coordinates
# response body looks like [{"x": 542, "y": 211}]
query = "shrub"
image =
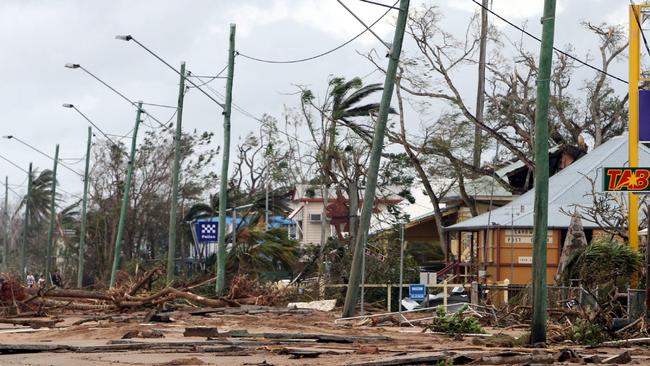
[
  {"x": 455, "y": 323},
  {"x": 588, "y": 333}
]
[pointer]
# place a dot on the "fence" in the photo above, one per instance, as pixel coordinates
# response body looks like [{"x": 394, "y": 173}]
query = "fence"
[
  {"x": 499, "y": 295},
  {"x": 391, "y": 290}
]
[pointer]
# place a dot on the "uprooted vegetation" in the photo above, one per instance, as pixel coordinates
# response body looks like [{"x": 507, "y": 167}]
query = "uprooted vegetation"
[
  {"x": 132, "y": 294},
  {"x": 455, "y": 323}
]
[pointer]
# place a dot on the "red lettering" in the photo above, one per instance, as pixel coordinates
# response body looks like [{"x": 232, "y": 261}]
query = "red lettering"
[{"x": 613, "y": 178}]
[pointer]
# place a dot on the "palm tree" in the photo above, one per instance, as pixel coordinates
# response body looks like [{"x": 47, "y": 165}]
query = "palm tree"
[
  {"x": 260, "y": 251},
  {"x": 39, "y": 197},
  {"x": 345, "y": 97}
]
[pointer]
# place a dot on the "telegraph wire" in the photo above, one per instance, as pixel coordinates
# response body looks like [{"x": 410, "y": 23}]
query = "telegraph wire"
[
  {"x": 522, "y": 30},
  {"x": 380, "y": 4},
  {"x": 14, "y": 164},
  {"x": 11, "y": 189},
  {"x": 386, "y": 44},
  {"x": 159, "y": 105},
  {"x": 44, "y": 154},
  {"x": 26, "y": 172},
  {"x": 118, "y": 93},
  {"x": 320, "y": 54},
  {"x": 212, "y": 78}
]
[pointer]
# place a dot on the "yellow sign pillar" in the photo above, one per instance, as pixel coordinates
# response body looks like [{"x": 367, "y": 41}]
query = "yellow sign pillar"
[{"x": 633, "y": 124}]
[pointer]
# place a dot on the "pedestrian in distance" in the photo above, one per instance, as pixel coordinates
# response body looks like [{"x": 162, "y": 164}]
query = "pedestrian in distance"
[{"x": 30, "y": 280}]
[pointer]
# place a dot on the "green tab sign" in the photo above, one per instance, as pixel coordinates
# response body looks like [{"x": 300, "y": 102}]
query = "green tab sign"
[{"x": 626, "y": 179}]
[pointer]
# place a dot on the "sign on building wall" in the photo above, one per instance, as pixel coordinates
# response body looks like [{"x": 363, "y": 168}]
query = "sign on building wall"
[
  {"x": 625, "y": 179},
  {"x": 525, "y": 260},
  {"x": 524, "y": 236}
]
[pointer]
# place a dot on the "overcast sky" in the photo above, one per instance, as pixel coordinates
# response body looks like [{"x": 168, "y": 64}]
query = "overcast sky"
[{"x": 38, "y": 37}]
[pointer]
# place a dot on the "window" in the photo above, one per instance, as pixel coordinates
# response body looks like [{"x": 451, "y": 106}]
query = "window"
[{"x": 314, "y": 217}]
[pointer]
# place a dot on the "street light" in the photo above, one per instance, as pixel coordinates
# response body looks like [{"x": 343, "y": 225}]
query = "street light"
[
  {"x": 71, "y": 106},
  {"x": 130, "y": 38},
  {"x": 78, "y": 66}
]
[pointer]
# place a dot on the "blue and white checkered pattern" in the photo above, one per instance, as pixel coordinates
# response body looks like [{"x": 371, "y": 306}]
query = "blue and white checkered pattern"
[{"x": 206, "y": 231}]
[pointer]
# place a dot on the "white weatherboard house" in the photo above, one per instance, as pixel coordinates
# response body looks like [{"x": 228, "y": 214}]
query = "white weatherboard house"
[{"x": 307, "y": 204}]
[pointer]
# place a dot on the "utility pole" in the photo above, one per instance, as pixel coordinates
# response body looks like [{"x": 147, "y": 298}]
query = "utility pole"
[
  {"x": 266, "y": 209},
  {"x": 84, "y": 219},
  {"x": 23, "y": 246},
  {"x": 125, "y": 198},
  {"x": 171, "y": 254},
  {"x": 223, "y": 189},
  {"x": 480, "y": 92},
  {"x": 50, "y": 232},
  {"x": 401, "y": 266},
  {"x": 352, "y": 294},
  {"x": 540, "y": 228},
  {"x": 5, "y": 250}
]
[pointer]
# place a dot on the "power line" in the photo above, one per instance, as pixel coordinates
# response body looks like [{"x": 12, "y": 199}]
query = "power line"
[
  {"x": 12, "y": 191},
  {"x": 380, "y": 4},
  {"x": 26, "y": 172},
  {"x": 212, "y": 78},
  {"x": 91, "y": 122},
  {"x": 522, "y": 30},
  {"x": 130, "y": 38},
  {"x": 44, "y": 154},
  {"x": 74, "y": 66},
  {"x": 14, "y": 164},
  {"x": 364, "y": 24},
  {"x": 160, "y": 105},
  {"x": 320, "y": 54}
]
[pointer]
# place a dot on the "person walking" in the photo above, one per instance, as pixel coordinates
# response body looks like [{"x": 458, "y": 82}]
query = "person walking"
[{"x": 30, "y": 280}]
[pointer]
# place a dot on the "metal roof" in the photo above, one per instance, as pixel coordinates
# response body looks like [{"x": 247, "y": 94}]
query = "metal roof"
[{"x": 566, "y": 188}]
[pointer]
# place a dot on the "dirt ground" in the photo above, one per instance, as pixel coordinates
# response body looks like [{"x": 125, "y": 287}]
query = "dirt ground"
[{"x": 392, "y": 342}]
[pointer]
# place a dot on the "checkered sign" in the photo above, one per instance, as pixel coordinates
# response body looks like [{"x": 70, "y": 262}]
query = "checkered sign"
[{"x": 207, "y": 231}]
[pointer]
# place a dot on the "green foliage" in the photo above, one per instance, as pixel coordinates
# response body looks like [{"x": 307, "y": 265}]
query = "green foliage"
[
  {"x": 445, "y": 362},
  {"x": 259, "y": 251},
  {"x": 456, "y": 323},
  {"x": 604, "y": 263},
  {"x": 588, "y": 333}
]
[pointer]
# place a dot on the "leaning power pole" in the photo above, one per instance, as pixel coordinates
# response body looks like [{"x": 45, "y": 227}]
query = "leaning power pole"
[
  {"x": 125, "y": 198},
  {"x": 5, "y": 245},
  {"x": 23, "y": 245},
  {"x": 171, "y": 254},
  {"x": 480, "y": 92},
  {"x": 50, "y": 232},
  {"x": 540, "y": 228},
  {"x": 84, "y": 219},
  {"x": 223, "y": 188},
  {"x": 352, "y": 294}
]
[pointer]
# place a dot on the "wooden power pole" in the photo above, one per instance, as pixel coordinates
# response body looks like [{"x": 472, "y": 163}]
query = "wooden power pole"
[
  {"x": 50, "y": 232},
  {"x": 480, "y": 92},
  {"x": 84, "y": 216},
  {"x": 540, "y": 229},
  {"x": 125, "y": 198},
  {"x": 173, "y": 206},
  {"x": 223, "y": 180},
  {"x": 352, "y": 294}
]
